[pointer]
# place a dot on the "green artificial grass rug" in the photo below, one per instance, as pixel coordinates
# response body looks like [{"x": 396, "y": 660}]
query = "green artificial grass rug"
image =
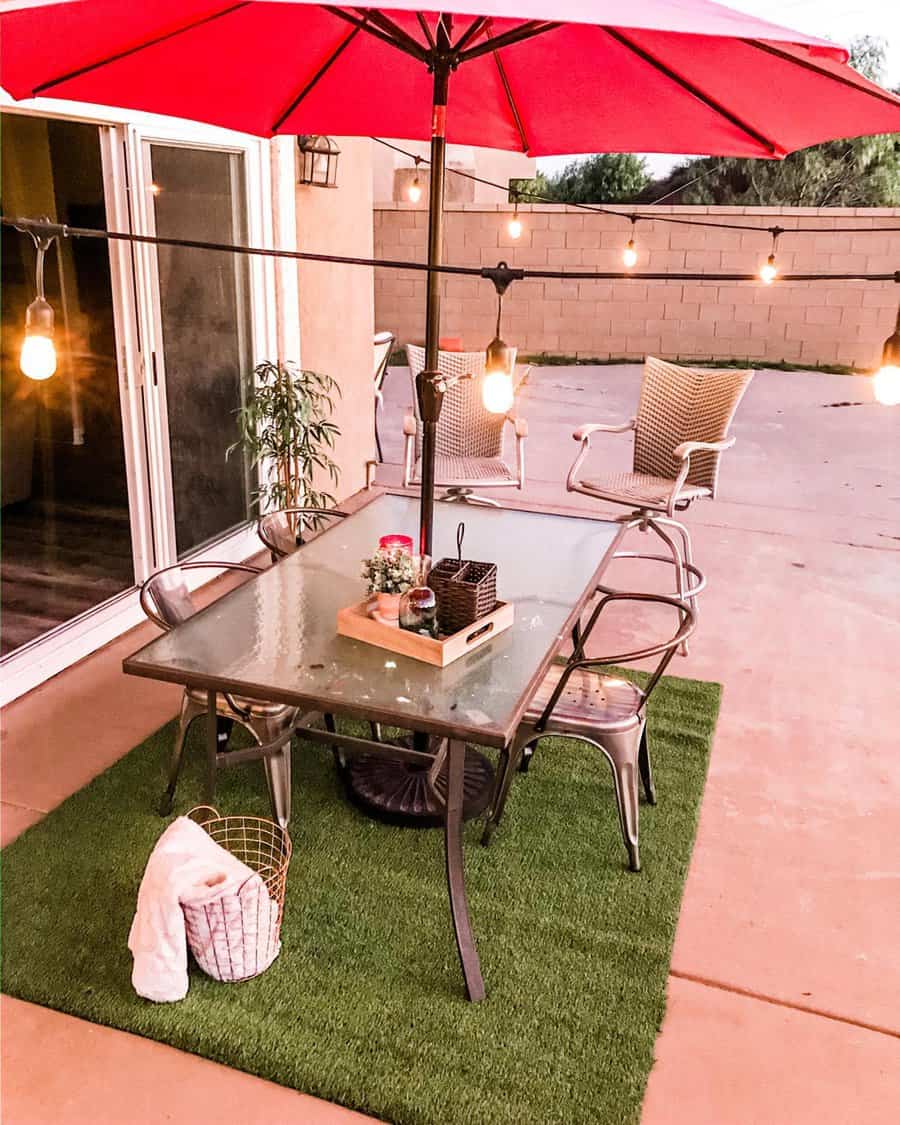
[{"x": 365, "y": 1005}]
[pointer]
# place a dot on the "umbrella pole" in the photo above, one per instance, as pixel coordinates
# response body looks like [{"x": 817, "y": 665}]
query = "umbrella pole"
[{"x": 428, "y": 390}]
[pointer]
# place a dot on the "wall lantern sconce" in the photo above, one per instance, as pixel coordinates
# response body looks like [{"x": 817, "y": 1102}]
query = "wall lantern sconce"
[{"x": 318, "y": 161}]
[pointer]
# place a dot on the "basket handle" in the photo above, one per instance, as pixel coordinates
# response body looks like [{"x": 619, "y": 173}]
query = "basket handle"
[{"x": 202, "y": 809}]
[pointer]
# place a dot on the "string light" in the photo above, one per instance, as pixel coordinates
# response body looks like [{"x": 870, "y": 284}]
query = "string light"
[
  {"x": 886, "y": 383},
  {"x": 515, "y": 223},
  {"x": 497, "y": 391},
  {"x": 414, "y": 191},
  {"x": 768, "y": 271},
  {"x": 629, "y": 254},
  {"x": 37, "y": 359}
]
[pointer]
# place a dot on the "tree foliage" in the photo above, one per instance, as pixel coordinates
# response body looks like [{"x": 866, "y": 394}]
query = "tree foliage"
[
  {"x": 860, "y": 172},
  {"x": 608, "y": 177}
]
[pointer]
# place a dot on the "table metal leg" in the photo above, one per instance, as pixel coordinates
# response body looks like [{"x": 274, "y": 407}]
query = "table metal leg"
[
  {"x": 456, "y": 884},
  {"x": 212, "y": 745}
]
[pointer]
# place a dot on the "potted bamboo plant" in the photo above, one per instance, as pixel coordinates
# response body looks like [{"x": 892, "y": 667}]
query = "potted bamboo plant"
[{"x": 286, "y": 428}]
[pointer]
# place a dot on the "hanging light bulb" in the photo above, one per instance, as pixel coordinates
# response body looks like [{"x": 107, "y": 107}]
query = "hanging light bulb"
[
  {"x": 768, "y": 271},
  {"x": 886, "y": 383},
  {"x": 37, "y": 359},
  {"x": 497, "y": 392},
  {"x": 515, "y": 223},
  {"x": 414, "y": 191},
  {"x": 629, "y": 254}
]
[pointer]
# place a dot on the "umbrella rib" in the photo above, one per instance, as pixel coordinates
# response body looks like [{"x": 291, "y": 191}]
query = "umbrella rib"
[
  {"x": 695, "y": 91},
  {"x": 402, "y": 38},
  {"x": 320, "y": 73},
  {"x": 471, "y": 31},
  {"x": 140, "y": 47},
  {"x": 426, "y": 30},
  {"x": 419, "y": 53},
  {"x": 883, "y": 95},
  {"x": 512, "y": 101},
  {"x": 515, "y": 35}
]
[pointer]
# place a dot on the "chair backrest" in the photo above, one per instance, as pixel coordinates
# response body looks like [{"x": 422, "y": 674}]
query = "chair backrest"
[
  {"x": 384, "y": 347},
  {"x": 285, "y": 530},
  {"x": 465, "y": 428},
  {"x": 664, "y": 649},
  {"x": 679, "y": 404},
  {"x": 166, "y": 597}
]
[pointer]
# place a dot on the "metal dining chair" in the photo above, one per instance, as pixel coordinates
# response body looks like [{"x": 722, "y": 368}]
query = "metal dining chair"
[
  {"x": 287, "y": 529},
  {"x": 470, "y": 440},
  {"x": 578, "y": 700},
  {"x": 384, "y": 348},
  {"x": 680, "y": 433},
  {"x": 167, "y": 600}
]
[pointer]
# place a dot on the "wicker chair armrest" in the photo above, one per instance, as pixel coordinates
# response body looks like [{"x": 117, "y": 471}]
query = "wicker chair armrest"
[
  {"x": 683, "y": 451},
  {"x": 583, "y": 435},
  {"x": 409, "y": 425},
  {"x": 584, "y": 432}
]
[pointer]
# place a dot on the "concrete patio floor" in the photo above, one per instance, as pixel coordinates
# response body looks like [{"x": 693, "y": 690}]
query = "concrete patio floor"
[{"x": 786, "y": 969}]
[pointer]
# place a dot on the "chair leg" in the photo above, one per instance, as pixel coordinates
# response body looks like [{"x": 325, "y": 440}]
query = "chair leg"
[
  {"x": 340, "y": 759},
  {"x": 189, "y": 711},
  {"x": 682, "y": 578},
  {"x": 508, "y": 762},
  {"x": 622, "y": 752},
  {"x": 277, "y": 766},
  {"x": 688, "y": 555},
  {"x": 646, "y": 769}
]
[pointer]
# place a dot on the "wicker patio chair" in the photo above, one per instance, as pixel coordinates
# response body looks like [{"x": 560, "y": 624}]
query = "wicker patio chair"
[
  {"x": 578, "y": 700},
  {"x": 168, "y": 601},
  {"x": 384, "y": 347},
  {"x": 285, "y": 530},
  {"x": 469, "y": 452},
  {"x": 680, "y": 433}
]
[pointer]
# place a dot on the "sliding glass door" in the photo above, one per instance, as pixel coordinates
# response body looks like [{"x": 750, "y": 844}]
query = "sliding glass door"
[
  {"x": 119, "y": 464},
  {"x": 66, "y": 534},
  {"x": 202, "y": 360}
]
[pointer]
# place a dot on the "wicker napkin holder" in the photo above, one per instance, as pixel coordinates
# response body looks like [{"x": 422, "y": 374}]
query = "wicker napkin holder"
[{"x": 466, "y": 590}]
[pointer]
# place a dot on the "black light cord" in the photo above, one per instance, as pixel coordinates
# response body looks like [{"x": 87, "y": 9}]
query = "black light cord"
[
  {"x": 61, "y": 230},
  {"x": 649, "y": 216}
]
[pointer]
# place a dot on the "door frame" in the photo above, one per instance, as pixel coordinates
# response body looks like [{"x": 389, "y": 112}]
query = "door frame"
[{"x": 120, "y": 131}]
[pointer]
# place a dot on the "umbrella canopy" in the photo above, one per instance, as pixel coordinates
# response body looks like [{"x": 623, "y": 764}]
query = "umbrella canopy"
[{"x": 541, "y": 76}]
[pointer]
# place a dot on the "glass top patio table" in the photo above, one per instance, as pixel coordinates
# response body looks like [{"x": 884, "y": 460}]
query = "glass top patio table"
[{"x": 275, "y": 637}]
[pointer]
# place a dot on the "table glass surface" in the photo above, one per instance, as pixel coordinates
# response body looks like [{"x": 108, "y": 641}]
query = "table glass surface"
[{"x": 275, "y": 637}]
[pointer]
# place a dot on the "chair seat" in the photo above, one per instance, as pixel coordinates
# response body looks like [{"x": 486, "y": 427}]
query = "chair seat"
[
  {"x": 459, "y": 471},
  {"x": 590, "y": 700},
  {"x": 640, "y": 490},
  {"x": 257, "y": 708}
]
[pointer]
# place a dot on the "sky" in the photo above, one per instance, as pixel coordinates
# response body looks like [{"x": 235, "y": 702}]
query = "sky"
[{"x": 840, "y": 20}]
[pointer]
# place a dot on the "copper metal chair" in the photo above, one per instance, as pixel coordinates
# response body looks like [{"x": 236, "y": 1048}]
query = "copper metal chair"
[
  {"x": 167, "y": 601},
  {"x": 680, "y": 434},
  {"x": 578, "y": 700},
  {"x": 384, "y": 347},
  {"x": 470, "y": 440},
  {"x": 287, "y": 529}
]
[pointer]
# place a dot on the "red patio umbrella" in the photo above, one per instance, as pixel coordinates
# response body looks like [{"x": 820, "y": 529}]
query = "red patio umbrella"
[{"x": 543, "y": 76}]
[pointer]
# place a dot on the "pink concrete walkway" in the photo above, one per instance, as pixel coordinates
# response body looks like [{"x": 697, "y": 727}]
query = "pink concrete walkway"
[{"x": 786, "y": 971}]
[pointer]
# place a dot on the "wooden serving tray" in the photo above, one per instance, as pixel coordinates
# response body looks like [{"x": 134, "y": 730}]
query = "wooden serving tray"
[{"x": 353, "y": 621}]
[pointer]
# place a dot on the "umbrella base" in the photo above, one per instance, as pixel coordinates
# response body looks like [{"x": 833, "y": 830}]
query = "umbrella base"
[{"x": 398, "y": 792}]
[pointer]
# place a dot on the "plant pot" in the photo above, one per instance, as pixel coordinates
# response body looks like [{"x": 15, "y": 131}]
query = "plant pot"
[{"x": 386, "y": 607}]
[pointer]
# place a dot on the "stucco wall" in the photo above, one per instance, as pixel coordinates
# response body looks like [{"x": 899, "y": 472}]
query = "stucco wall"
[
  {"x": 801, "y": 322},
  {"x": 336, "y": 311},
  {"x": 392, "y": 171}
]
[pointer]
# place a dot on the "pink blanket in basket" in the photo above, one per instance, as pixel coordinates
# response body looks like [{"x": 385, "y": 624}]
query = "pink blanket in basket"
[{"x": 233, "y": 919}]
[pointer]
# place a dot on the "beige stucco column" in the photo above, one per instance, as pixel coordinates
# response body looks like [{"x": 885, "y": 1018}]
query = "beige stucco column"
[{"x": 337, "y": 301}]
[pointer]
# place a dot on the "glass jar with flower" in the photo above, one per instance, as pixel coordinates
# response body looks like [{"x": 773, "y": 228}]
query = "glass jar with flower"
[{"x": 389, "y": 574}]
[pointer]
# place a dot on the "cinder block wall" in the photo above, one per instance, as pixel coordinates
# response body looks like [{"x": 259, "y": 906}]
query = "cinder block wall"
[{"x": 801, "y": 322}]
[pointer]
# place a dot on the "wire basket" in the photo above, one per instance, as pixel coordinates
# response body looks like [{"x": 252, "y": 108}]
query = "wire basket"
[{"x": 237, "y": 936}]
